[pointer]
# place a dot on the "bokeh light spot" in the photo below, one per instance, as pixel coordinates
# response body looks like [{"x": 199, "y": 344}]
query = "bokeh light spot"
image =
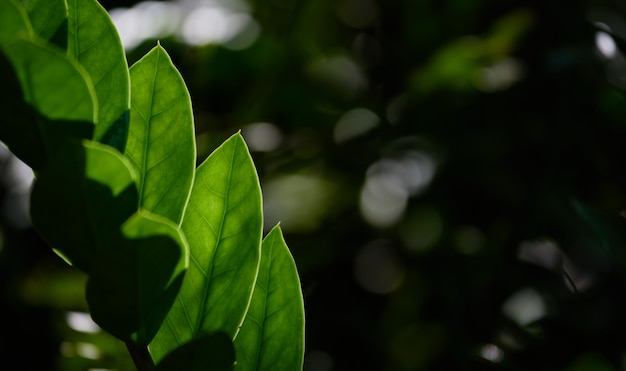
[
  {"x": 262, "y": 136},
  {"x": 353, "y": 123},
  {"x": 390, "y": 182},
  {"x": 525, "y": 307},
  {"x": 299, "y": 202},
  {"x": 605, "y": 44},
  {"x": 377, "y": 269},
  {"x": 492, "y": 353},
  {"x": 81, "y": 322}
]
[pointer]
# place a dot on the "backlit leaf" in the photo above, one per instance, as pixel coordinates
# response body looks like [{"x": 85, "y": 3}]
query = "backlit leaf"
[
  {"x": 223, "y": 225},
  {"x": 161, "y": 143},
  {"x": 14, "y": 21},
  {"x": 94, "y": 42},
  {"x": 49, "y": 20},
  {"x": 47, "y": 98},
  {"x": 272, "y": 335}
]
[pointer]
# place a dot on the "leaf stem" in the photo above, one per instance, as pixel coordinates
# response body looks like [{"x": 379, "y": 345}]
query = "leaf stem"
[{"x": 140, "y": 357}]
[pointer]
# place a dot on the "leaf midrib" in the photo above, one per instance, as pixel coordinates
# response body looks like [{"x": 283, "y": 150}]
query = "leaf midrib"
[
  {"x": 257, "y": 358},
  {"x": 202, "y": 310},
  {"x": 146, "y": 142}
]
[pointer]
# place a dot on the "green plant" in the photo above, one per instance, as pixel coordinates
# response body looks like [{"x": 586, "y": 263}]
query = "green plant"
[{"x": 177, "y": 266}]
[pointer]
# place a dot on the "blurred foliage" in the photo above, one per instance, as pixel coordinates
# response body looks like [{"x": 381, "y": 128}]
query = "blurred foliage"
[{"x": 470, "y": 218}]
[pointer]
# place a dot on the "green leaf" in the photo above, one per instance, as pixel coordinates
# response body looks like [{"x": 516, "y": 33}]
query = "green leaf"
[
  {"x": 161, "y": 143},
  {"x": 272, "y": 335},
  {"x": 49, "y": 20},
  {"x": 14, "y": 21},
  {"x": 212, "y": 351},
  {"x": 19, "y": 129},
  {"x": 223, "y": 225},
  {"x": 94, "y": 42},
  {"x": 137, "y": 277},
  {"x": 78, "y": 203},
  {"x": 54, "y": 84},
  {"x": 81, "y": 198},
  {"x": 45, "y": 100},
  {"x": 52, "y": 100}
]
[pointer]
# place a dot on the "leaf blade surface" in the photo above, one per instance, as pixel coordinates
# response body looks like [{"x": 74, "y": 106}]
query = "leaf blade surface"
[
  {"x": 161, "y": 141},
  {"x": 138, "y": 274},
  {"x": 94, "y": 42},
  {"x": 49, "y": 20},
  {"x": 46, "y": 99},
  {"x": 272, "y": 335},
  {"x": 223, "y": 225}
]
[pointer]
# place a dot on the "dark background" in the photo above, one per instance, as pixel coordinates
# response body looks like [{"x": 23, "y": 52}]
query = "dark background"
[{"x": 500, "y": 131}]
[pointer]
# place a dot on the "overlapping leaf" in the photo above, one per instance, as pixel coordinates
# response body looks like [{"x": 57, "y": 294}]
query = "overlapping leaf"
[
  {"x": 272, "y": 335},
  {"x": 14, "y": 21},
  {"x": 81, "y": 198},
  {"x": 137, "y": 277},
  {"x": 46, "y": 100},
  {"x": 223, "y": 225},
  {"x": 84, "y": 204},
  {"x": 210, "y": 351},
  {"x": 161, "y": 142},
  {"x": 49, "y": 20},
  {"x": 95, "y": 44}
]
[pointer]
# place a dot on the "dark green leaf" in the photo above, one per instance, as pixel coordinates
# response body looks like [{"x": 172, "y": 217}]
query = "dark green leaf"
[
  {"x": 137, "y": 277},
  {"x": 161, "y": 143},
  {"x": 272, "y": 335},
  {"x": 14, "y": 21},
  {"x": 49, "y": 20},
  {"x": 94, "y": 42},
  {"x": 80, "y": 199},
  {"x": 212, "y": 351},
  {"x": 223, "y": 225},
  {"x": 52, "y": 101}
]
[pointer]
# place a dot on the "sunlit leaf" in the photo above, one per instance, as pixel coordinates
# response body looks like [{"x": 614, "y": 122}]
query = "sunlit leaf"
[
  {"x": 14, "y": 21},
  {"x": 94, "y": 42},
  {"x": 212, "y": 351},
  {"x": 272, "y": 335},
  {"x": 137, "y": 277},
  {"x": 161, "y": 142},
  {"x": 49, "y": 20},
  {"x": 52, "y": 100},
  {"x": 80, "y": 199},
  {"x": 223, "y": 225}
]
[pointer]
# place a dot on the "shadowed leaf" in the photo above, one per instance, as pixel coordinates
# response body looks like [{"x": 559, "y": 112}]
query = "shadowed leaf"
[
  {"x": 212, "y": 351},
  {"x": 47, "y": 99},
  {"x": 94, "y": 42},
  {"x": 49, "y": 20}
]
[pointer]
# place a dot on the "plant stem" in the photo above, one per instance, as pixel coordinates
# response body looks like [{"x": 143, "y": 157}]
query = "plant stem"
[{"x": 140, "y": 357}]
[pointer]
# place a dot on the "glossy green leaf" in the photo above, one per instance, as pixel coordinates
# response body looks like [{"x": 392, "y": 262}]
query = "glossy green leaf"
[
  {"x": 161, "y": 143},
  {"x": 94, "y": 42},
  {"x": 47, "y": 98},
  {"x": 272, "y": 335},
  {"x": 212, "y": 351},
  {"x": 14, "y": 21},
  {"x": 137, "y": 277},
  {"x": 49, "y": 20},
  {"x": 223, "y": 225},
  {"x": 80, "y": 199}
]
